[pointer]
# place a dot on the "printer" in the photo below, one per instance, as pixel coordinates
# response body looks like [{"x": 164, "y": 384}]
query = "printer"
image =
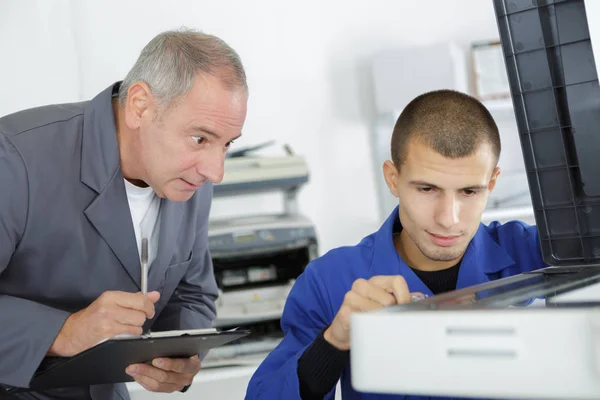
[
  {"x": 255, "y": 174},
  {"x": 257, "y": 258},
  {"x": 534, "y": 335}
]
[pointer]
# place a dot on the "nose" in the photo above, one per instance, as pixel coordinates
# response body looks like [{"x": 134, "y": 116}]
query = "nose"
[
  {"x": 213, "y": 166},
  {"x": 448, "y": 210}
]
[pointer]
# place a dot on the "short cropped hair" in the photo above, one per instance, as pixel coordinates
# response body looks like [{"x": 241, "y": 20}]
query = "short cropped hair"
[
  {"x": 170, "y": 62},
  {"x": 452, "y": 123}
]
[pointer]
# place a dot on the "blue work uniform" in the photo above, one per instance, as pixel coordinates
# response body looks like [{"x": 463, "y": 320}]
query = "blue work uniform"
[{"x": 496, "y": 251}]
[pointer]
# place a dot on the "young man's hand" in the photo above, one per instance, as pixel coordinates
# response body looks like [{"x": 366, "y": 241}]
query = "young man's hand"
[
  {"x": 165, "y": 375},
  {"x": 366, "y": 295}
]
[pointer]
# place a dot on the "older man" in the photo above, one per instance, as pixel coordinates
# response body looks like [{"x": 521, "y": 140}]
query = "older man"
[{"x": 83, "y": 185}]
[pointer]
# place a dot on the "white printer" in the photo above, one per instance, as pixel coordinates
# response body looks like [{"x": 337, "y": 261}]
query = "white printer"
[{"x": 257, "y": 258}]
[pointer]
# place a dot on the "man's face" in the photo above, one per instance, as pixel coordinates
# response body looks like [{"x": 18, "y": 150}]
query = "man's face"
[
  {"x": 185, "y": 146},
  {"x": 441, "y": 200}
]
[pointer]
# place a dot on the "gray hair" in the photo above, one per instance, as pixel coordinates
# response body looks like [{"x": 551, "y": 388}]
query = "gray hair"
[{"x": 171, "y": 61}]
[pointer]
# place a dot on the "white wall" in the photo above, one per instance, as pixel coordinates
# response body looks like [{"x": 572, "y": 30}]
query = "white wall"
[
  {"x": 38, "y": 63},
  {"x": 307, "y": 65}
]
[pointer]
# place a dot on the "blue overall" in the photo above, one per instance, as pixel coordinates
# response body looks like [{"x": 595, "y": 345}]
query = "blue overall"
[{"x": 496, "y": 251}]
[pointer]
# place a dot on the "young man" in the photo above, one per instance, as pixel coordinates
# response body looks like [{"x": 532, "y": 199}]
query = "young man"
[
  {"x": 445, "y": 149},
  {"x": 83, "y": 184}
]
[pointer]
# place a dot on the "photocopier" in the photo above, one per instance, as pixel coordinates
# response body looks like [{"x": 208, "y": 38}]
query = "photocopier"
[
  {"x": 534, "y": 335},
  {"x": 257, "y": 257}
]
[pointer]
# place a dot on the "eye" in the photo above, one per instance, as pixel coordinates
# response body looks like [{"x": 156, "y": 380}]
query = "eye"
[
  {"x": 425, "y": 189},
  {"x": 199, "y": 139},
  {"x": 228, "y": 145},
  {"x": 469, "y": 192}
]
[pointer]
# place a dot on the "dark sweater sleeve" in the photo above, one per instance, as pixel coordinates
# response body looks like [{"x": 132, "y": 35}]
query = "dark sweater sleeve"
[{"x": 320, "y": 367}]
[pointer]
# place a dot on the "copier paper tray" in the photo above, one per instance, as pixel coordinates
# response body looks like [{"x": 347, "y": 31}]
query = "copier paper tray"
[{"x": 534, "y": 335}]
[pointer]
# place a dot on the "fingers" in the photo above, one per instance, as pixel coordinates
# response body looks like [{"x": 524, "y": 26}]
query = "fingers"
[
  {"x": 378, "y": 291},
  {"x": 153, "y": 296},
  {"x": 400, "y": 290},
  {"x": 393, "y": 284},
  {"x": 356, "y": 302},
  {"x": 159, "y": 379},
  {"x": 129, "y": 317},
  {"x": 136, "y": 301},
  {"x": 153, "y": 385},
  {"x": 370, "y": 290},
  {"x": 116, "y": 313},
  {"x": 127, "y": 330},
  {"x": 180, "y": 365}
]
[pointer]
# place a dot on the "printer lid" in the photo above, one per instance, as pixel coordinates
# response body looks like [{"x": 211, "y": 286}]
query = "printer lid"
[{"x": 554, "y": 85}]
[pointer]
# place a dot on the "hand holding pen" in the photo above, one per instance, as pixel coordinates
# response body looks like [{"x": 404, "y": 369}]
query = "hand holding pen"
[{"x": 113, "y": 313}]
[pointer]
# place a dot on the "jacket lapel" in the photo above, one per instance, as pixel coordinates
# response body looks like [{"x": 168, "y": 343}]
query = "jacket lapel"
[
  {"x": 169, "y": 223},
  {"x": 110, "y": 215},
  {"x": 100, "y": 170}
]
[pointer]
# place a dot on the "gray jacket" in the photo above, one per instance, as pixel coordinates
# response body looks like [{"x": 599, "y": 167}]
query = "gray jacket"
[{"x": 66, "y": 236}]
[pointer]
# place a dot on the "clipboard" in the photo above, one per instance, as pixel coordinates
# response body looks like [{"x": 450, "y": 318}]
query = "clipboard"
[{"x": 106, "y": 362}]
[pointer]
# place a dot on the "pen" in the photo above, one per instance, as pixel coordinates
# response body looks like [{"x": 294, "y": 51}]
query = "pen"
[{"x": 144, "y": 280}]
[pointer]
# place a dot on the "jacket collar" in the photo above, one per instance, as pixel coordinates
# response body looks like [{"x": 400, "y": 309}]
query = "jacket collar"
[
  {"x": 100, "y": 158},
  {"x": 482, "y": 258},
  {"x": 100, "y": 170}
]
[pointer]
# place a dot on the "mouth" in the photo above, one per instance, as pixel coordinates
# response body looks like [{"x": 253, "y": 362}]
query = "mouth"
[
  {"x": 190, "y": 185},
  {"x": 444, "y": 240}
]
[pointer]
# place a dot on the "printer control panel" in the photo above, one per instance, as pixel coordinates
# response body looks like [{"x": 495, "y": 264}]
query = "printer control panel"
[{"x": 258, "y": 239}]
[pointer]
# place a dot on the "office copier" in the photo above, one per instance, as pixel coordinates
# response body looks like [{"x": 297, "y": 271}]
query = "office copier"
[
  {"x": 535, "y": 335},
  {"x": 257, "y": 257}
]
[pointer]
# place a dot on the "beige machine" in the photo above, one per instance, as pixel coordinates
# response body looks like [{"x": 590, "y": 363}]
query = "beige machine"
[{"x": 258, "y": 257}]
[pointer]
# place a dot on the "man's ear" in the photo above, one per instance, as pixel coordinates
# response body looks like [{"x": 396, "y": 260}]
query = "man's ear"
[
  {"x": 139, "y": 98},
  {"x": 494, "y": 179},
  {"x": 391, "y": 173}
]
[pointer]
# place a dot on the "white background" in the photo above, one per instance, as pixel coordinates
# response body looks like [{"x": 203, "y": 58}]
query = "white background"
[{"x": 307, "y": 64}]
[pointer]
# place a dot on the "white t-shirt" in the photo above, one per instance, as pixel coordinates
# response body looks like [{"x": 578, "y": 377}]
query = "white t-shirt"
[{"x": 144, "y": 205}]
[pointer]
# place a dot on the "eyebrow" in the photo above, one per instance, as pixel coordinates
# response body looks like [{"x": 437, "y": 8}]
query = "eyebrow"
[
  {"x": 210, "y": 133},
  {"x": 423, "y": 183}
]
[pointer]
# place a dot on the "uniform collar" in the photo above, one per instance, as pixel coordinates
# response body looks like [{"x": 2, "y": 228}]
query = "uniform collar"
[
  {"x": 484, "y": 257},
  {"x": 100, "y": 157}
]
